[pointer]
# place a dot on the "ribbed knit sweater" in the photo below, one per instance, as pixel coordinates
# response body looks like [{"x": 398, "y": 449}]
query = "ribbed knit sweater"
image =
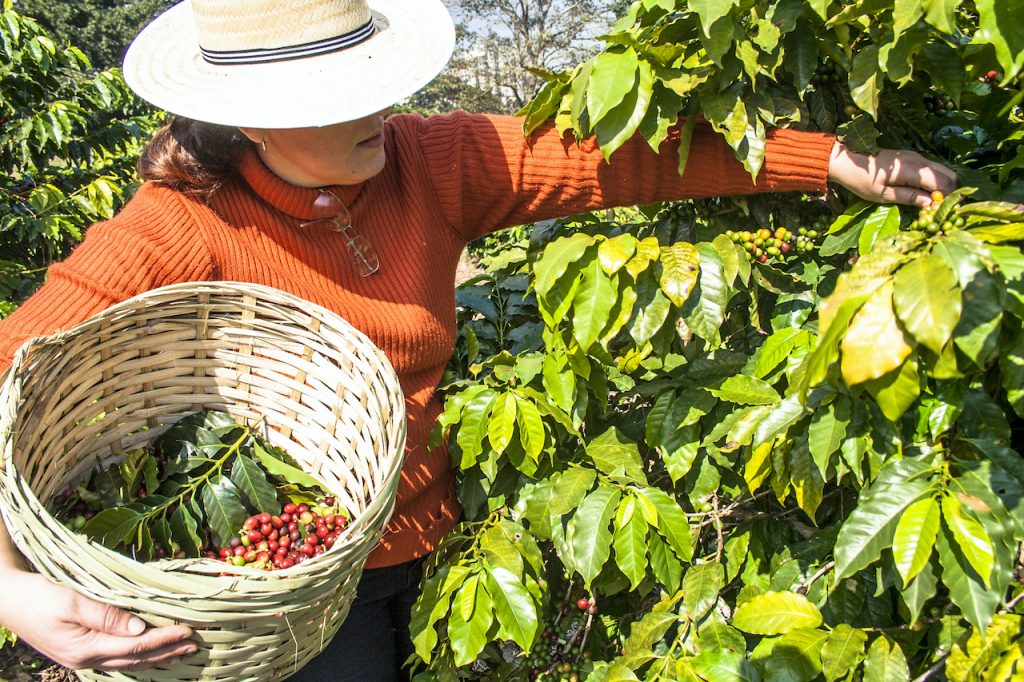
[{"x": 447, "y": 179}]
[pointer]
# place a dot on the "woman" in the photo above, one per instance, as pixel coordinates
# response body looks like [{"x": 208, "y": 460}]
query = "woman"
[{"x": 296, "y": 180}]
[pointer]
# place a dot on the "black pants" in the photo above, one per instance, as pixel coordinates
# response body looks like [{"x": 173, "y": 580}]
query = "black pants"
[{"x": 373, "y": 642}]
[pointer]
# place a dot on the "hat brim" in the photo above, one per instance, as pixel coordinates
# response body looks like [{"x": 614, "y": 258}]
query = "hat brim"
[{"x": 413, "y": 43}]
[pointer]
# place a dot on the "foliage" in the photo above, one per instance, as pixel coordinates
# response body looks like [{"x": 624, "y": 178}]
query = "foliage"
[
  {"x": 799, "y": 470},
  {"x": 68, "y": 143},
  {"x": 191, "y": 491},
  {"x": 102, "y": 28}
]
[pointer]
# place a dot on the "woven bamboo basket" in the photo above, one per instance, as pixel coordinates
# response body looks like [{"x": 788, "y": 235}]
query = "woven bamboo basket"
[{"x": 325, "y": 394}]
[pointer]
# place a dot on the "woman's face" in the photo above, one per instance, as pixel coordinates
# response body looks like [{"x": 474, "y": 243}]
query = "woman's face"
[{"x": 341, "y": 154}]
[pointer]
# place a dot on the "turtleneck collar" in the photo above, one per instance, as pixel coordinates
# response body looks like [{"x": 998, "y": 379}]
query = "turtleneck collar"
[{"x": 303, "y": 203}]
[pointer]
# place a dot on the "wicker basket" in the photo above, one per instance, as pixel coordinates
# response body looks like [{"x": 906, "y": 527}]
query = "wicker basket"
[{"x": 326, "y": 394}]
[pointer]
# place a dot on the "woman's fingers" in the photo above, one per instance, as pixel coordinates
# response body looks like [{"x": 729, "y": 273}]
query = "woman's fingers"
[
  {"x": 903, "y": 177},
  {"x": 139, "y": 653},
  {"x": 80, "y": 633}
]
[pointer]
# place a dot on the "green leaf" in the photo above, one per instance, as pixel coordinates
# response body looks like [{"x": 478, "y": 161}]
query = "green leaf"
[
  {"x": 701, "y": 586},
  {"x": 184, "y": 530},
  {"x": 113, "y": 527},
  {"x": 614, "y": 253},
  {"x": 866, "y": 80},
  {"x": 680, "y": 267},
  {"x": 432, "y": 605},
  {"x": 474, "y": 427},
  {"x": 665, "y": 564},
  {"x": 570, "y": 488},
  {"x": 966, "y": 590},
  {"x": 704, "y": 311},
  {"x": 827, "y": 431},
  {"x": 746, "y": 390},
  {"x": 870, "y": 527},
  {"x": 710, "y": 11},
  {"x": 843, "y": 650},
  {"x": 796, "y": 656},
  {"x": 252, "y": 482},
  {"x": 777, "y": 348},
  {"x": 920, "y": 590},
  {"x": 630, "y": 546},
  {"x": 874, "y": 344},
  {"x": 977, "y": 333},
  {"x": 970, "y": 536},
  {"x": 467, "y": 632},
  {"x": 617, "y": 456},
  {"x": 289, "y": 473},
  {"x": 773, "y": 613},
  {"x": 557, "y": 259},
  {"x": 915, "y": 537},
  {"x": 513, "y": 606},
  {"x": 897, "y": 391},
  {"x": 589, "y": 532},
  {"x": 801, "y": 56},
  {"x": 969, "y": 659},
  {"x": 224, "y": 510},
  {"x": 531, "y": 427},
  {"x": 885, "y": 662},
  {"x": 671, "y": 521},
  {"x": 611, "y": 79},
  {"x": 926, "y": 296},
  {"x": 883, "y": 222},
  {"x": 621, "y": 123},
  {"x": 502, "y": 422},
  {"x": 592, "y": 304}
]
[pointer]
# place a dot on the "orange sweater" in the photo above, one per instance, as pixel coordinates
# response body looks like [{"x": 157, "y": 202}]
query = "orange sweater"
[{"x": 447, "y": 180}]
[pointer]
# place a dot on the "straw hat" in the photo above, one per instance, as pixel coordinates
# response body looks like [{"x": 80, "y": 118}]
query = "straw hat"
[{"x": 288, "y": 63}]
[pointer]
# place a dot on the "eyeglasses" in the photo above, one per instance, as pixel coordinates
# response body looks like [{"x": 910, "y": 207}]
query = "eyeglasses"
[{"x": 360, "y": 252}]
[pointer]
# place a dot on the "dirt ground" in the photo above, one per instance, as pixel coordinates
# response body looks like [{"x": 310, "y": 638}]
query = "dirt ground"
[{"x": 21, "y": 663}]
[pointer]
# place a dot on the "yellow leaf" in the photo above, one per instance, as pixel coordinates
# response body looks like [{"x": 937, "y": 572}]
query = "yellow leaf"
[{"x": 874, "y": 344}]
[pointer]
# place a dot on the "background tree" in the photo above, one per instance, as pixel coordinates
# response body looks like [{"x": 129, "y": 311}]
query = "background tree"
[
  {"x": 506, "y": 39},
  {"x": 102, "y": 29}
]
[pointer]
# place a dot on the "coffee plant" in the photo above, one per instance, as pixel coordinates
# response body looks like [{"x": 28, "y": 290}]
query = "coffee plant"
[
  {"x": 69, "y": 140},
  {"x": 760, "y": 438}
]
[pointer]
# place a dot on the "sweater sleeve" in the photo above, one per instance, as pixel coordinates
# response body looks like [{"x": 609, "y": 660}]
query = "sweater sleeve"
[
  {"x": 153, "y": 241},
  {"x": 488, "y": 175}
]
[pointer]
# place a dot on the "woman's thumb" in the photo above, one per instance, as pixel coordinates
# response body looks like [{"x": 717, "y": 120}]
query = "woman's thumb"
[{"x": 105, "y": 618}]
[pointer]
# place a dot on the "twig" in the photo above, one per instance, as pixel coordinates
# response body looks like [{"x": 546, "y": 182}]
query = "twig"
[
  {"x": 932, "y": 670},
  {"x": 806, "y": 585},
  {"x": 1013, "y": 602},
  {"x": 719, "y": 540}
]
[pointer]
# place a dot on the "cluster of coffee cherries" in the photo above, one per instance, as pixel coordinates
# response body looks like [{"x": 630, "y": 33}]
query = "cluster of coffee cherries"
[
  {"x": 298, "y": 533},
  {"x": 827, "y": 73},
  {"x": 939, "y": 104},
  {"x": 557, "y": 655},
  {"x": 765, "y": 245},
  {"x": 926, "y": 217}
]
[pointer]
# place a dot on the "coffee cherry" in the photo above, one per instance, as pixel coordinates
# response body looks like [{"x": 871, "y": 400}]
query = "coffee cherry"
[
  {"x": 289, "y": 508},
  {"x": 583, "y": 603}
]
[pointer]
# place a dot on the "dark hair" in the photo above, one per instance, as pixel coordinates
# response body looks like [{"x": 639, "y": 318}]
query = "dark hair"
[{"x": 192, "y": 156}]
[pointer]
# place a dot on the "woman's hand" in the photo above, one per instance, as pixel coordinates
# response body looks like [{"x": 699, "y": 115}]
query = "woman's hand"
[
  {"x": 80, "y": 633},
  {"x": 891, "y": 176}
]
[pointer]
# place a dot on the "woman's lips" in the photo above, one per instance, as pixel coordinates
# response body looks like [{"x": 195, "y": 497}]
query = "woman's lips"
[{"x": 375, "y": 141}]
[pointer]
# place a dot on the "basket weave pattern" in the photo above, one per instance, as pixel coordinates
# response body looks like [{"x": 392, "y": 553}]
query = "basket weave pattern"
[{"x": 326, "y": 395}]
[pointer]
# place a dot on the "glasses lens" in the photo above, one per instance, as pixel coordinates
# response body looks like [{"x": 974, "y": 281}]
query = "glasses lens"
[{"x": 362, "y": 254}]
